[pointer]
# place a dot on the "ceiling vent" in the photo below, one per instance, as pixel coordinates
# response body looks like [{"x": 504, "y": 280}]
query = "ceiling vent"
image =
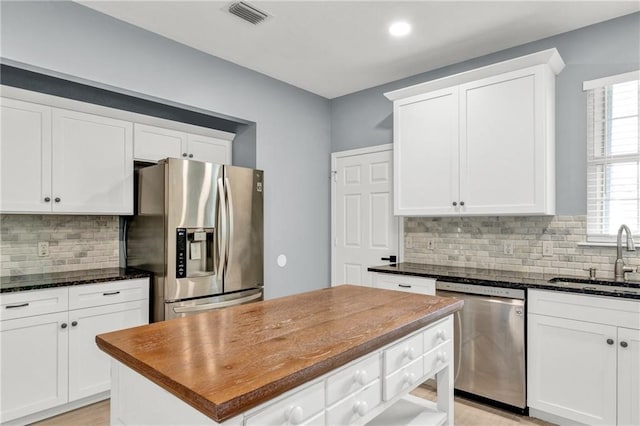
[{"x": 248, "y": 12}]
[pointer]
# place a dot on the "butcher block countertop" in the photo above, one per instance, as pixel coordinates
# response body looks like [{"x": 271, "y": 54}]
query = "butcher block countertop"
[{"x": 227, "y": 361}]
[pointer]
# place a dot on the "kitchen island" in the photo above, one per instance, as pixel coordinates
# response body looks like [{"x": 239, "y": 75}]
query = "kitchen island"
[{"x": 342, "y": 355}]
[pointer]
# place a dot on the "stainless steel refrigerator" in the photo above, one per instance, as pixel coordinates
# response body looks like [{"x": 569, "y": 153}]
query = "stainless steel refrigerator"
[{"x": 199, "y": 229}]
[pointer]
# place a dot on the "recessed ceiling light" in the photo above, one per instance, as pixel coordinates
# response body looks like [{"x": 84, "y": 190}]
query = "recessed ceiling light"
[{"x": 399, "y": 29}]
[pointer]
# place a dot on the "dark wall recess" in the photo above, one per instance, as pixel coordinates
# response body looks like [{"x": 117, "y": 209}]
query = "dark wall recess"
[{"x": 36, "y": 82}]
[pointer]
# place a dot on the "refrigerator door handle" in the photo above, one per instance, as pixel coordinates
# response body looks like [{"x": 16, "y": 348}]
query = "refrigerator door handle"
[
  {"x": 222, "y": 230},
  {"x": 230, "y": 226},
  {"x": 216, "y": 305}
]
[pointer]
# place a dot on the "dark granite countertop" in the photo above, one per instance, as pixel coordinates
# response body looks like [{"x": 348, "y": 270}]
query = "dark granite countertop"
[
  {"x": 65, "y": 279},
  {"x": 513, "y": 279}
]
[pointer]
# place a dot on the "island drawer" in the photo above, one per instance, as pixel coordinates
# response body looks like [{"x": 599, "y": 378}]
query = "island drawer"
[
  {"x": 299, "y": 408},
  {"x": 23, "y": 304},
  {"x": 403, "y": 379},
  {"x": 402, "y": 353},
  {"x": 438, "y": 334},
  {"x": 354, "y": 407},
  {"x": 437, "y": 358},
  {"x": 90, "y": 295},
  {"x": 406, "y": 283},
  {"x": 353, "y": 378}
]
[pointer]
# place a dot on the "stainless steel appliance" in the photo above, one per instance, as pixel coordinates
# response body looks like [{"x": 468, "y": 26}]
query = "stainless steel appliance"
[
  {"x": 489, "y": 342},
  {"x": 199, "y": 229}
]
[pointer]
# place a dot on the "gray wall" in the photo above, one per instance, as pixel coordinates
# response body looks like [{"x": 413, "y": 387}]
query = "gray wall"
[
  {"x": 365, "y": 118},
  {"x": 70, "y": 40}
]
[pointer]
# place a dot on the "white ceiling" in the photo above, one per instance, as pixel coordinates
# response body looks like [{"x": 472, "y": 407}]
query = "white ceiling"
[{"x": 333, "y": 48}]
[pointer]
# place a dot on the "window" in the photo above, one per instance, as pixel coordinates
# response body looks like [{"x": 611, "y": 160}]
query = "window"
[{"x": 613, "y": 156}]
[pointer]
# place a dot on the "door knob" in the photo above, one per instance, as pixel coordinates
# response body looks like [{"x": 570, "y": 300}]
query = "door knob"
[{"x": 392, "y": 258}]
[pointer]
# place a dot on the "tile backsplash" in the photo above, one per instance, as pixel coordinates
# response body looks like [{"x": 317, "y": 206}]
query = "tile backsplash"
[
  {"x": 479, "y": 242},
  {"x": 75, "y": 242}
]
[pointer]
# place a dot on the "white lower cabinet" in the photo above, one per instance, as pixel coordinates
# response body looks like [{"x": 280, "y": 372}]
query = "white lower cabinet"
[
  {"x": 408, "y": 283},
  {"x": 34, "y": 364},
  {"x": 49, "y": 357},
  {"x": 583, "y": 358}
]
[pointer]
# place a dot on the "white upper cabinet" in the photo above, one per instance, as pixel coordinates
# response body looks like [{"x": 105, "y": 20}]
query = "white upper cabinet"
[
  {"x": 92, "y": 164},
  {"x": 59, "y": 161},
  {"x": 25, "y": 157},
  {"x": 478, "y": 143},
  {"x": 153, "y": 143}
]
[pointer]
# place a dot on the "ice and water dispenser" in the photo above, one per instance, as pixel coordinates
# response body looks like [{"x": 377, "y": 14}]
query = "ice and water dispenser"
[{"x": 194, "y": 252}]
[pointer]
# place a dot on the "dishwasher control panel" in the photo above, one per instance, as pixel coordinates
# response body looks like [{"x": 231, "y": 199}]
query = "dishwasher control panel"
[{"x": 511, "y": 293}]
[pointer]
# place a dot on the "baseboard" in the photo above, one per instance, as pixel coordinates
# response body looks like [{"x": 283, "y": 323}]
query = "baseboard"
[{"x": 51, "y": 412}]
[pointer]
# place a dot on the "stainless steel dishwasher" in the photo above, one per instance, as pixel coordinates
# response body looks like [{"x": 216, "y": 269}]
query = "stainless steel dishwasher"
[{"x": 489, "y": 342}]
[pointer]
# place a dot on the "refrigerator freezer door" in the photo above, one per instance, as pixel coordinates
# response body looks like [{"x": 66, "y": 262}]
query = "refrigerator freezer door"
[{"x": 243, "y": 266}]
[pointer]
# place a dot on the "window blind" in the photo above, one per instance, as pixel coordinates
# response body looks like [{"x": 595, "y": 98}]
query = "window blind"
[{"x": 613, "y": 157}]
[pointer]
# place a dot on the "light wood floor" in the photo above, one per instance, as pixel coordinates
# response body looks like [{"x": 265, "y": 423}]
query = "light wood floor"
[{"x": 467, "y": 413}]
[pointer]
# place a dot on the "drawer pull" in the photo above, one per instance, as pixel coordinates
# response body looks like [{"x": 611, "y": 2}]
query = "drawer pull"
[
  {"x": 409, "y": 378},
  {"x": 360, "y": 408},
  {"x": 442, "y": 357},
  {"x": 441, "y": 335},
  {"x": 360, "y": 377},
  {"x": 22, "y": 305},
  {"x": 294, "y": 415},
  {"x": 110, "y": 293},
  {"x": 404, "y": 285},
  {"x": 409, "y": 353}
]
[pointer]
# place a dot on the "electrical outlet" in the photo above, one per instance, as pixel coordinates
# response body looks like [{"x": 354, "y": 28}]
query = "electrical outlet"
[
  {"x": 431, "y": 244},
  {"x": 508, "y": 247},
  {"x": 547, "y": 248},
  {"x": 408, "y": 241},
  {"x": 43, "y": 248}
]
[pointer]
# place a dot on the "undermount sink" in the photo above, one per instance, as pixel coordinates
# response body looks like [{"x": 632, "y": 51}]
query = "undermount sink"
[{"x": 597, "y": 285}]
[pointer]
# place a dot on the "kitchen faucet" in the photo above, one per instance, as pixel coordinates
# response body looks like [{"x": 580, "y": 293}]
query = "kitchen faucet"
[{"x": 619, "y": 268}]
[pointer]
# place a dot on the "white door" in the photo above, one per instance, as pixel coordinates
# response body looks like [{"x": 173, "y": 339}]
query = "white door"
[
  {"x": 89, "y": 367},
  {"x": 208, "y": 149},
  {"x": 628, "y": 376},
  {"x": 25, "y": 157},
  {"x": 92, "y": 164},
  {"x": 572, "y": 369},
  {"x": 364, "y": 229},
  {"x": 33, "y": 370}
]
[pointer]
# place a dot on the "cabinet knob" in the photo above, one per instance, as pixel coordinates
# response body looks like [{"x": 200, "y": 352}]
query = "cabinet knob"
[
  {"x": 74, "y": 323},
  {"x": 57, "y": 199},
  {"x": 442, "y": 357},
  {"x": 360, "y": 377},
  {"x": 441, "y": 335},
  {"x": 294, "y": 415},
  {"x": 609, "y": 341},
  {"x": 409, "y": 353},
  {"x": 624, "y": 344},
  {"x": 455, "y": 203},
  {"x": 47, "y": 199},
  {"x": 184, "y": 154},
  {"x": 360, "y": 408},
  {"x": 409, "y": 378},
  {"x": 462, "y": 203},
  {"x": 190, "y": 155},
  {"x": 63, "y": 325}
]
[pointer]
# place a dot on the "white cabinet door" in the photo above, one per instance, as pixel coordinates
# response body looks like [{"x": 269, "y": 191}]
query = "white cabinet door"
[
  {"x": 33, "y": 373},
  {"x": 92, "y": 164},
  {"x": 25, "y": 157},
  {"x": 628, "y": 376},
  {"x": 155, "y": 143},
  {"x": 502, "y": 144},
  {"x": 89, "y": 367},
  {"x": 426, "y": 154},
  {"x": 208, "y": 149},
  {"x": 572, "y": 369}
]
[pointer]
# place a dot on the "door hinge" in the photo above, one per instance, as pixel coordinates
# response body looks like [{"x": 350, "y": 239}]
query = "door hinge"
[{"x": 334, "y": 175}]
